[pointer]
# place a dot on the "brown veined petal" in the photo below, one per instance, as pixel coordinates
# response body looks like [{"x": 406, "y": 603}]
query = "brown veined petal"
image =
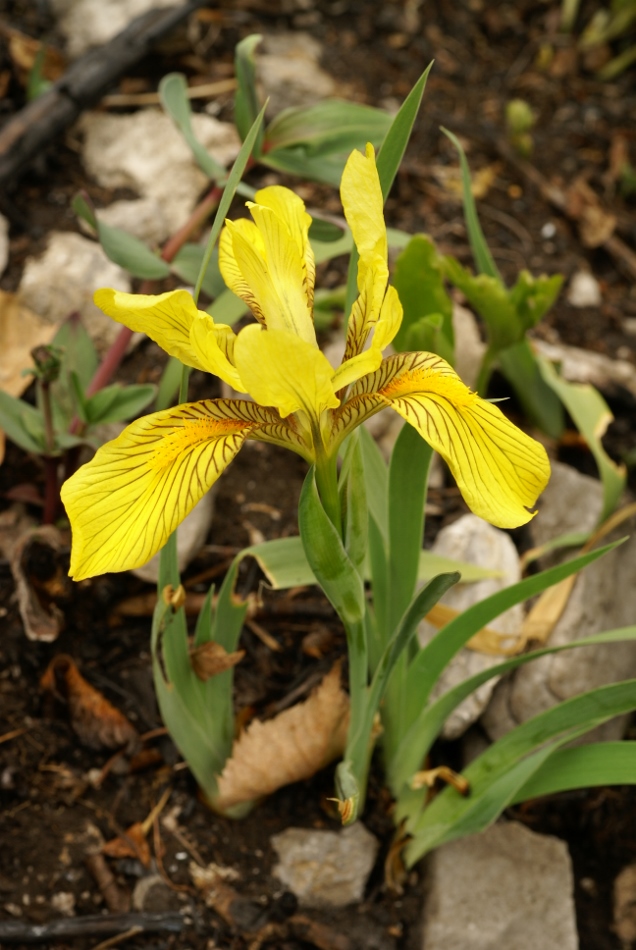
[
  {"x": 499, "y": 469},
  {"x": 370, "y": 359},
  {"x": 291, "y": 209},
  {"x": 130, "y": 497},
  {"x": 165, "y": 318},
  {"x": 228, "y": 265}
]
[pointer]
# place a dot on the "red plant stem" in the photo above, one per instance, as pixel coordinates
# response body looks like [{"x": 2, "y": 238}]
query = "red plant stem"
[{"x": 51, "y": 490}]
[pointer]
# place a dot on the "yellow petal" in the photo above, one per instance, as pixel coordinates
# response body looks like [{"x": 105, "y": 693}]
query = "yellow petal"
[
  {"x": 229, "y": 267},
  {"x": 291, "y": 209},
  {"x": 124, "y": 504},
  {"x": 499, "y": 469},
  {"x": 165, "y": 318},
  {"x": 213, "y": 343},
  {"x": 269, "y": 262},
  {"x": 362, "y": 201},
  {"x": 283, "y": 371},
  {"x": 369, "y": 360}
]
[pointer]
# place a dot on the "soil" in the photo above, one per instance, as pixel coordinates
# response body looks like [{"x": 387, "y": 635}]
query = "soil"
[{"x": 485, "y": 55}]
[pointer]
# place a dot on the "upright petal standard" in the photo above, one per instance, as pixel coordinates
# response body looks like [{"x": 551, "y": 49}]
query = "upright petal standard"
[{"x": 124, "y": 504}]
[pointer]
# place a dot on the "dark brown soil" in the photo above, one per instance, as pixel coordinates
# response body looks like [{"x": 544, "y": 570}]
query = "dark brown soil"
[{"x": 485, "y": 55}]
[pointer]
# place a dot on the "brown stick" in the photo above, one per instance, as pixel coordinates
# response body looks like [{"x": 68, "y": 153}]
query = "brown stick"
[{"x": 83, "y": 84}]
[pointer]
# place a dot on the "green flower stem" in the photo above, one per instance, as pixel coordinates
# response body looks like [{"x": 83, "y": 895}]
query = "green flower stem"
[{"x": 327, "y": 482}]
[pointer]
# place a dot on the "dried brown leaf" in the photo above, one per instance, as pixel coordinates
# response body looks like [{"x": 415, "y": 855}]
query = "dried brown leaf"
[
  {"x": 132, "y": 844},
  {"x": 97, "y": 722},
  {"x": 35, "y": 556},
  {"x": 596, "y": 225},
  {"x": 211, "y": 658},
  {"x": 288, "y": 748}
]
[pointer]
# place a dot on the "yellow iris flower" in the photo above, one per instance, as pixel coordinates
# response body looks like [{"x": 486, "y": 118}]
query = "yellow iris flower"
[{"x": 124, "y": 504}]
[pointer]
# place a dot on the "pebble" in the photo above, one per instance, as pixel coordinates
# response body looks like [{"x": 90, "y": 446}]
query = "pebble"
[
  {"x": 325, "y": 868},
  {"x": 504, "y": 888},
  {"x": 88, "y": 23},
  {"x": 625, "y": 905},
  {"x": 584, "y": 290},
  {"x": 474, "y": 540},
  {"x": 288, "y": 68}
]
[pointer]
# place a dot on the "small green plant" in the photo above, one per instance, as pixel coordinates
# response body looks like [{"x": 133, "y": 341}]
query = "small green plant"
[
  {"x": 520, "y": 120},
  {"x": 65, "y": 414}
]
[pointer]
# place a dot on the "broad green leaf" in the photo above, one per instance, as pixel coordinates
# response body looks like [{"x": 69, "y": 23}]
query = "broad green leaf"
[
  {"x": 483, "y": 258},
  {"x": 131, "y": 253},
  {"x": 377, "y": 481},
  {"x": 490, "y": 298},
  {"x": 432, "y": 564},
  {"x": 325, "y": 231},
  {"x": 427, "y": 334},
  {"x": 173, "y": 92},
  {"x": 417, "y": 740},
  {"x": 227, "y": 308},
  {"x": 169, "y": 385},
  {"x": 81, "y": 403},
  {"x": 591, "y": 415},
  {"x": 246, "y": 102},
  {"x": 327, "y": 557},
  {"x": 233, "y": 180},
  {"x": 539, "y": 402},
  {"x": 80, "y": 355},
  {"x": 587, "y": 766},
  {"x": 494, "y": 776},
  {"x": 118, "y": 403},
  {"x": 532, "y": 297},
  {"x": 326, "y": 169},
  {"x": 203, "y": 629},
  {"x": 83, "y": 208},
  {"x": 419, "y": 281},
  {"x": 22, "y": 423},
  {"x": 333, "y": 125}
]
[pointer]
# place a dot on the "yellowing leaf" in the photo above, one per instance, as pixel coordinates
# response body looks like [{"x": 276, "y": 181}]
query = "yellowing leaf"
[
  {"x": 293, "y": 746},
  {"x": 211, "y": 658}
]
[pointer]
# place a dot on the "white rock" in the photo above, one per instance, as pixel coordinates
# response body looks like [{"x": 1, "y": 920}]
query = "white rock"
[
  {"x": 584, "y": 290},
  {"x": 4, "y": 244},
  {"x": 325, "y": 868},
  {"x": 625, "y": 905},
  {"x": 603, "y": 598},
  {"x": 143, "y": 218},
  {"x": 469, "y": 346},
  {"x": 583, "y": 366},
  {"x": 191, "y": 537},
  {"x": 505, "y": 889},
  {"x": 64, "y": 279},
  {"x": 145, "y": 152},
  {"x": 289, "y": 72},
  {"x": 64, "y": 903},
  {"x": 474, "y": 540},
  {"x": 88, "y": 23}
]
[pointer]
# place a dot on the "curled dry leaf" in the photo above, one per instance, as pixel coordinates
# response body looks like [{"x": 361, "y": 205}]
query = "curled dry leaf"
[
  {"x": 211, "y": 658},
  {"x": 293, "y": 746},
  {"x": 37, "y": 559},
  {"x": 96, "y": 721},
  {"x": 132, "y": 844},
  {"x": 596, "y": 225}
]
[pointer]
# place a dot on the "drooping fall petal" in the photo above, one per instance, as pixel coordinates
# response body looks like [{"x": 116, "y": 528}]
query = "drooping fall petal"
[
  {"x": 283, "y": 371},
  {"x": 124, "y": 504},
  {"x": 165, "y": 318},
  {"x": 499, "y": 469}
]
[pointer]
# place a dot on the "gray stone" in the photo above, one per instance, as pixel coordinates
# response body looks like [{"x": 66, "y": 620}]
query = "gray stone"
[
  {"x": 143, "y": 218},
  {"x": 584, "y": 290},
  {"x": 289, "y": 72},
  {"x": 474, "y": 540},
  {"x": 625, "y": 905},
  {"x": 603, "y": 598},
  {"x": 325, "y": 868},
  {"x": 64, "y": 279},
  {"x": 611, "y": 376},
  {"x": 505, "y": 889},
  {"x": 145, "y": 152},
  {"x": 469, "y": 346},
  {"x": 191, "y": 536},
  {"x": 88, "y": 23}
]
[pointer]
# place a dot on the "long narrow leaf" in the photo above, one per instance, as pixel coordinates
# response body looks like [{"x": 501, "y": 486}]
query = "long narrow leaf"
[
  {"x": 483, "y": 258},
  {"x": 599, "y": 763},
  {"x": 173, "y": 92}
]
